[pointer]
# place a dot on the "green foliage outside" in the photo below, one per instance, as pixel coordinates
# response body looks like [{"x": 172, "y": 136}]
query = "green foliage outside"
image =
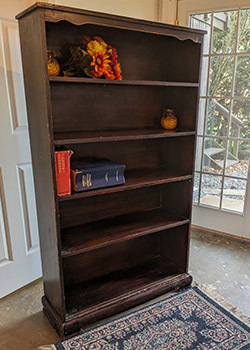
[{"x": 220, "y": 82}]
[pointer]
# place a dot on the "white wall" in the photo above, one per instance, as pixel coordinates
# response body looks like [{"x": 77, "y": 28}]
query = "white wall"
[
  {"x": 12, "y": 7},
  {"x": 144, "y": 9},
  {"x": 153, "y": 10}
]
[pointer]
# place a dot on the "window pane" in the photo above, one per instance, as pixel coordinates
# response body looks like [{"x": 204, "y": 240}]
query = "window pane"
[
  {"x": 238, "y": 158},
  {"x": 196, "y": 187},
  {"x": 220, "y": 76},
  {"x": 224, "y": 32},
  {"x": 203, "y": 21},
  {"x": 234, "y": 194},
  {"x": 223, "y": 118},
  {"x": 240, "y": 120},
  {"x": 204, "y": 74},
  {"x": 242, "y": 76},
  {"x": 201, "y": 116},
  {"x": 244, "y": 35},
  {"x": 217, "y": 117},
  {"x": 198, "y": 154},
  {"x": 214, "y": 155},
  {"x": 211, "y": 190}
]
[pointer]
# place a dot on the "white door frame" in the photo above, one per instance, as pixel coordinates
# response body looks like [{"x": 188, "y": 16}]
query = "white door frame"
[{"x": 228, "y": 222}]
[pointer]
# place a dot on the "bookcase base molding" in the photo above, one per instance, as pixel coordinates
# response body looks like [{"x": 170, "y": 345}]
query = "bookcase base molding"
[
  {"x": 106, "y": 250},
  {"x": 74, "y": 324}
]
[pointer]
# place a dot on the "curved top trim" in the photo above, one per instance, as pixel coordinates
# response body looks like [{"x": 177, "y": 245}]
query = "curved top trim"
[{"x": 47, "y": 6}]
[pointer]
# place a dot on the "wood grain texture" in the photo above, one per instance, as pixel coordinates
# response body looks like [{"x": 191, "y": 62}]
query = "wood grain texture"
[
  {"x": 81, "y": 239},
  {"x": 109, "y": 249},
  {"x": 80, "y": 80},
  {"x": 96, "y": 107},
  {"x": 118, "y": 283},
  {"x": 33, "y": 46},
  {"x": 78, "y": 137},
  {"x": 135, "y": 179},
  {"x": 88, "y": 209},
  {"x": 78, "y": 16},
  {"x": 110, "y": 259},
  {"x": 165, "y": 61},
  {"x": 147, "y": 286}
]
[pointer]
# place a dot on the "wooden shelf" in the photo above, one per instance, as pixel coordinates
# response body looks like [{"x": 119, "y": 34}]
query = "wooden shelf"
[
  {"x": 76, "y": 137},
  {"x": 97, "y": 293},
  {"x": 84, "y": 238},
  {"x": 134, "y": 179},
  {"x": 60, "y": 79}
]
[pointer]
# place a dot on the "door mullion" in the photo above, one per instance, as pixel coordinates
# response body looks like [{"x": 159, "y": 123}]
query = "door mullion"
[
  {"x": 230, "y": 108},
  {"x": 205, "y": 112}
]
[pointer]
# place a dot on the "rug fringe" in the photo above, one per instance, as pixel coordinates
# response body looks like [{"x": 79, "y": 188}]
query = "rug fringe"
[
  {"x": 211, "y": 291},
  {"x": 46, "y": 347}
]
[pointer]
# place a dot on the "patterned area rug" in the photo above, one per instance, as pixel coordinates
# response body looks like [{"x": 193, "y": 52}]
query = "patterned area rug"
[{"x": 186, "y": 320}]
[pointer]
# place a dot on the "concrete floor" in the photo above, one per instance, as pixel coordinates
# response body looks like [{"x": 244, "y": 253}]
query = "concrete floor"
[
  {"x": 224, "y": 263},
  {"x": 214, "y": 260}
]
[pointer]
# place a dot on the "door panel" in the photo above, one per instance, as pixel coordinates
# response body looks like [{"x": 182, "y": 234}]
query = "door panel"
[
  {"x": 5, "y": 241},
  {"x": 26, "y": 188},
  {"x": 19, "y": 245},
  {"x": 14, "y": 77}
]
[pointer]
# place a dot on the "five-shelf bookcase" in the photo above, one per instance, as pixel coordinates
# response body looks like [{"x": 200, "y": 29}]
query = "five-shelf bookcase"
[{"x": 106, "y": 250}]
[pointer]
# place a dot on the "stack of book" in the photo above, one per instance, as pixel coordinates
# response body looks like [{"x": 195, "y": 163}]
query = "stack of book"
[{"x": 86, "y": 174}]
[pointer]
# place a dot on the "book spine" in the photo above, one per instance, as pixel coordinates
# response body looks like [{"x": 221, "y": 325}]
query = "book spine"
[
  {"x": 88, "y": 180},
  {"x": 62, "y": 164}
]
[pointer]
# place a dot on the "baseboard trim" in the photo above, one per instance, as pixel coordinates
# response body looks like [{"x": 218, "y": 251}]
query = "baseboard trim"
[{"x": 220, "y": 233}]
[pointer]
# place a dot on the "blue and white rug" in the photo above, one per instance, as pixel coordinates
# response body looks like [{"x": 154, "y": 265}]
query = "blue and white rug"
[{"x": 186, "y": 320}]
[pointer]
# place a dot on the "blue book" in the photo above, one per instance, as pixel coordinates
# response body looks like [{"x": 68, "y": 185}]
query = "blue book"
[{"x": 93, "y": 173}]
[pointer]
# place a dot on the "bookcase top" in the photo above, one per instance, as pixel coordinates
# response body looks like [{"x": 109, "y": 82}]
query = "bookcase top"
[{"x": 73, "y": 10}]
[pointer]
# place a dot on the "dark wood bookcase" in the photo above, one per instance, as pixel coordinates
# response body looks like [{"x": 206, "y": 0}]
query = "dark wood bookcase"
[{"x": 106, "y": 250}]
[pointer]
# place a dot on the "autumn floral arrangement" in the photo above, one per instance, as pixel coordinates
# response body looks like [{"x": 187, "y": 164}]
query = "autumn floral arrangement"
[{"x": 93, "y": 58}]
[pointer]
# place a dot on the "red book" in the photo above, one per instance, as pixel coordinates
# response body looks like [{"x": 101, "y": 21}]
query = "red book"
[{"x": 63, "y": 172}]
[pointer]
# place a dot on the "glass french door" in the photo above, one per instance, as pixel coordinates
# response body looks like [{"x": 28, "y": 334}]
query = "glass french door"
[{"x": 221, "y": 184}]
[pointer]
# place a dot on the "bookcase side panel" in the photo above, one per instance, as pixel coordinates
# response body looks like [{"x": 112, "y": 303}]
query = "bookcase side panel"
[{"x": 33, "y": 48}]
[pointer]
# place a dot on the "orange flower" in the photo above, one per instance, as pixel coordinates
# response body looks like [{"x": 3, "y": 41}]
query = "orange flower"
[
  {"x": 109, "y": 74},
  {"x": 100, "y": 62},
  {"x": 104, "y": 59},
  {"x": 118, "y": 71}
]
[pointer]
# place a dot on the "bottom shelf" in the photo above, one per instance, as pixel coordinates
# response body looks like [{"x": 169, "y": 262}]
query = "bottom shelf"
[
  {"x": 85, "y": 298},
  {"x": 135, "y": 289}
]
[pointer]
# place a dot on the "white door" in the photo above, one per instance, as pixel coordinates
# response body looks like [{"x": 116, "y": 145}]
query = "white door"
[
  {"x": 19, "y": 245},
  {"x": 221, "y": 187}
]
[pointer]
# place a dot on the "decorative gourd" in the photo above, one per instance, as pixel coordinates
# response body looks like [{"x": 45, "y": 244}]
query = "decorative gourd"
[
  {"x": 53, "y": 65},
  {"x": 169, "y": 120}
]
